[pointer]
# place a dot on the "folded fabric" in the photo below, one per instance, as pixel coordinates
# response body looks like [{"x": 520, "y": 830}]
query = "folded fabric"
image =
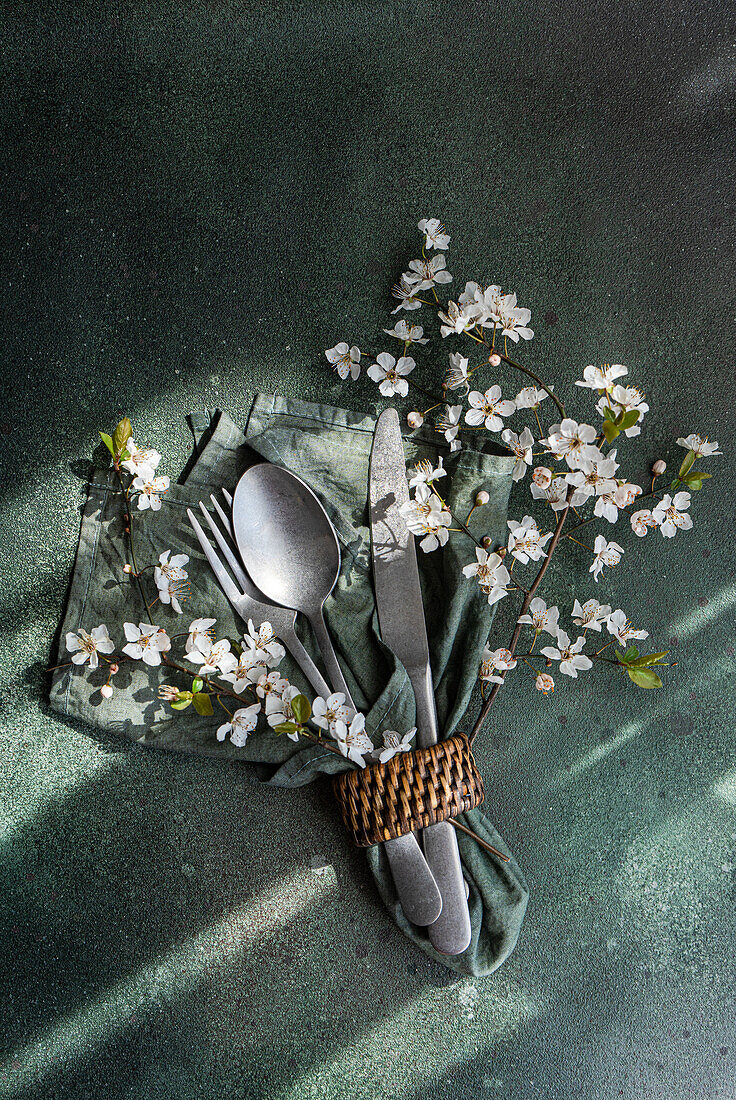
[{"x": 330, "y": 449}]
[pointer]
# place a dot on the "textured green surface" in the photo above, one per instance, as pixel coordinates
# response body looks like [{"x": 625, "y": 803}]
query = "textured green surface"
[{"x": 200, "y": 199}]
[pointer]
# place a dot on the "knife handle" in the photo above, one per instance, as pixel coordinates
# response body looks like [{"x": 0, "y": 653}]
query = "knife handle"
[{"x": 450, "y": 934}]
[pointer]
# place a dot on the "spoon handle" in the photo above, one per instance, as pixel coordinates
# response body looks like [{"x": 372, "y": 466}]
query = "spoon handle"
[{"x": 334, "y": 672}]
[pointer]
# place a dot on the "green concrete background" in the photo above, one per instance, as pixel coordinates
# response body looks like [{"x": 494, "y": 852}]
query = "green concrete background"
[{"x": 199, "y": 199}]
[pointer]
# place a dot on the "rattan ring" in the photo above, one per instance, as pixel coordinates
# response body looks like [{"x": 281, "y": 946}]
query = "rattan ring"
[{"x": 410, "y": 791}]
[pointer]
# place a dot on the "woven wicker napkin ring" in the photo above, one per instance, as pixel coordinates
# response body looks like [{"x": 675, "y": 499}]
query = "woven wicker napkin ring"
[{"x": 408, "y": 792}]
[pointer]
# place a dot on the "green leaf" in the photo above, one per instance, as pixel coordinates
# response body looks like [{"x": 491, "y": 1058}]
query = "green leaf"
[
  {"x": 202, "y": 704},
  {"x": 644, "y": 677},
  {"x": 630, "y": 418},
  {"x": 610, "y": 430},
  {"x": 181, "y": 705},
  {"x": 122, "y": 434},
  {"x": 197, "y": 684},
  {"x": 236, "y": 648},
  {"x": 687, "y": 463},
  {"x": 608, "y": 413},
  {"x": 108, "y": 442},
  {"x": 629, "y": 655},
  {"x": 286, "y": 727},
  {"x": 301, "y": 709},
  {"x": 694, "y": 480},
  {"x": 649, "y": 659}
]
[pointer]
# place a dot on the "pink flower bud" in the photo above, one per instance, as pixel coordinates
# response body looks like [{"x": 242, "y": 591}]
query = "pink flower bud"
[
  {"x": 114, "y": 669},
  {"x": 127, "y": 568},
  {"x": 482, "y": 497},
  {"x": 415, "y": 419},
  {"x": 494, "y": 360},
  {"x": 106, "y": 691},
  {"x": 487, "y": 542},
  {"x": 659, "y": 467}
]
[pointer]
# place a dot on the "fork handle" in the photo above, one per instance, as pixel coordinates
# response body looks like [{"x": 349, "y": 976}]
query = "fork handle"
[
  {"x": 329, "y": 657},
  {"x": 305, "y": 662}
]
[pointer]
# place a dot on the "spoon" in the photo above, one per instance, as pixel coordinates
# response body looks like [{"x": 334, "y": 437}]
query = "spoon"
[{"x": 289, "y": 547}]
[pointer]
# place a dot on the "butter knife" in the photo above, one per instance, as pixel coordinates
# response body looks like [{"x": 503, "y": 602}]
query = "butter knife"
[{"x": 404, "y": 631}]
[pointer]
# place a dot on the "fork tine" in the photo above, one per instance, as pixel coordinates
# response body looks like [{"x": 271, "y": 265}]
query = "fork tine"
[
  {"x": 228, "y": 497},
  {"x": 224, "y": 517},
  {"x": 230, "y": 558},
  {"x": 218, "y": 568}
]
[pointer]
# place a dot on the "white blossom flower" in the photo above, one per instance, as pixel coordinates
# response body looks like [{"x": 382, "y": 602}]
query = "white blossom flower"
[
  {"x": 608, "y": 504},
  {"x": 488, "y": 408},
  {"x": 85, "y": 646},
  {"x": 569, "y": 655},
  {"x": 490, "y": 573},
  {"x": 457, "y": 319},
  {"x": 425, "y": 273},
  {"x": 325, "y": 712},
  {"x": 434, "y": 233},
  {"x": 605, "y": 554},
  {"x": 271, "y": 683},
  {"x": 345, "y": 360},
  {"x": 642, "y": 520},
  {"x": 425, "y": 473},
  {"x": 702, "y": 446},
  {"x": 545, "y": 683},
  {"x": 514, "y": 320},
  {"x": 199, "y": 630},
  {"x": 352, "y": 741},
  {"x": 530, "y": 397},
  {"x": 526, "y": 542},
  {"x": 409, "y": 334},
  {"x": 457, "y": 376},
  {"x": 213, "y": 657},
  {"x": 448, "y": 423},
  {"x": 426, "y": 515},
  {"x": 542, "y": 477},
  {"x": 488, "y": 301},
  {"x": 264, "y": 639},
  {"x": 521, "y": 445},
  {"x": 279, "y": 709},
  {"x": 240, "y": 725},
  {"x": 394, "y": 743},
  {"x": 591, "y": 615},
  {"x": 146, "y": 642},
  {"x": 593, "y": 478},
  {"x": 670, "y": 514},
  {"x": 555, "y": 493},
  {"x": 620, "y": 627},
  {"x": 390, "y": 374},
  {"x": 150, "y": 491},
  {"x": 573, "y": 442},
  {"x": 493, "y": 662},
  {"x": 405, "y": 291},
  {"x": 141, "y": 460},
  {"x": 602, "y": 378},
  {"x": 171, "y": 579},
  {"x": 473, "y": 293},
  {"x": 626, "y": 399},
  {"x": 541, "y": 617}
]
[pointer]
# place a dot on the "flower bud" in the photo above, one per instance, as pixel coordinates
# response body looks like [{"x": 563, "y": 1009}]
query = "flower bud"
[
  {"x": 113, "y": 669},
  {"x": 494, "y": 360},
  {"x": 502, "y": 551},
  {"x": 127, "y": 568},
  {"x": 106, "y": 691},
  {"x": 482, "y": 497},
  {"x": 487, "y": 542},
  {"x": 415, "y": 419},
  {"x": 545, "y": 683},
  {"x": 659, "y": 467}
]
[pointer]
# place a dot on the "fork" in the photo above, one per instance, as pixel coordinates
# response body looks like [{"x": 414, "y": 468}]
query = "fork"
[
  {"x": 415, "y": 885},
  {"x": 247, "y": 600}
]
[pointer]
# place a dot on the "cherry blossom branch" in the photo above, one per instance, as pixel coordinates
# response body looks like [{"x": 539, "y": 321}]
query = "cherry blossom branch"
[
  {"x": 584, "y": 522},
  {"x": 536, "y": 378},
  {"x": 524, "y": 608}
]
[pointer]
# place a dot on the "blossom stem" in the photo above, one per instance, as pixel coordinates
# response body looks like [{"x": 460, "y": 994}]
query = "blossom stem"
[
  {"x": 479, "y": 840},
  {"x": 537, "y": 379},
  {"x": 524, "y": 608},
  {"x": 584, "y": 546},
  {"x": 129, "y": 533},
  {"x": 318, "y": 740}
]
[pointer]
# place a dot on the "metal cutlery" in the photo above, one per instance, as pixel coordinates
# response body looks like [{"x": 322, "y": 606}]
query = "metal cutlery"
[
  {"x": 415, "y": 885},
  {"x": 403, "y": 629}
]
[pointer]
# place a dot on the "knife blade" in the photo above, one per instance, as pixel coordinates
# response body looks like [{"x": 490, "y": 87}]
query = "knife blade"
[{"x": 403, "y": 629}]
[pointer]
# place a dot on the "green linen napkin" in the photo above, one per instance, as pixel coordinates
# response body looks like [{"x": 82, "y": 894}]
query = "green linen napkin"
[{"x": 330, "y": 449}]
